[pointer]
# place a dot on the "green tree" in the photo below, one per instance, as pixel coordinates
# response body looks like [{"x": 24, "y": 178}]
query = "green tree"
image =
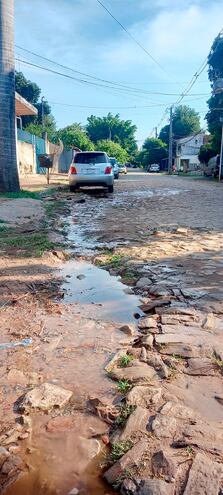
[
  {"x": 49, "y": 127},
  {"x": 215, "y": 103},
  {"x": 74, "y": 136},
  {"x": 186, "y": 121},
  {"x": 206, "y": 152},
  {"x": 9, "y": 181},
  {"x": 112, "y": 149},
  {"x": 26, "y": 88},
  {"x": 31, "y": 92},
  {"x": 153, "y": 151},
  {"x": 113, "y": 128}
]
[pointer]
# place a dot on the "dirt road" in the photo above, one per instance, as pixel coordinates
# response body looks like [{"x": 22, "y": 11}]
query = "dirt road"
[{"x": 163, "y": 237}]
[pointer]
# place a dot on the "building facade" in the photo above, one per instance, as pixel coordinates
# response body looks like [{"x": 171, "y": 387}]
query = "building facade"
[{"x": 187, "y": 150}]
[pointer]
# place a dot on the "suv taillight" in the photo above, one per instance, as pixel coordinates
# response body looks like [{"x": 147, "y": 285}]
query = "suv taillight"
[
  {"x": 73, "y": 170},
  {"x": 108, "y": 170}
]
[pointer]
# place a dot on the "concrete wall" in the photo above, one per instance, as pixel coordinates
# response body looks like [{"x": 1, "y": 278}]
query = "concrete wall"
[
  {"x": 62, "y": 159},
  {"x": 26, "y": 158}
]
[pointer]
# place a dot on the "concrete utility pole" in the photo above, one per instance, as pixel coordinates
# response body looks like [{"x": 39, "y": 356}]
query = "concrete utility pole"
[
  {"x": 170, "y": 157},
  {"x": 42, "y": 115},
  {"x": 156, "y": 132},
  {"x": 9, "y": 180},
  {"x": 218, "y": 89}
]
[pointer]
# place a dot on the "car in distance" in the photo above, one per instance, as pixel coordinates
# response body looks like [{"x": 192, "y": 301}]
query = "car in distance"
[
  {"x": 91, "y": 168},
  {"x": 114, "y": 165},
  {"x": 154, "y": 167},
  {"x": 122, "y": 168}
]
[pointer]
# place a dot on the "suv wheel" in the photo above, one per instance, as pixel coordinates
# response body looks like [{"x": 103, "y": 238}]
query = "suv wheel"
[{"x": 110, "y": 189}]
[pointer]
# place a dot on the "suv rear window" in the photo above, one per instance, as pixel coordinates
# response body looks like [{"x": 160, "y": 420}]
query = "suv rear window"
[{"x": 90, "y": 158}]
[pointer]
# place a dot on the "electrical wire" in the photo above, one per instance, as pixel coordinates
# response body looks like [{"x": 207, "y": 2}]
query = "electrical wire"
[
  {"x": 102, "y": 107},
  {"x": 133, "y": 91},
  {"x": 133, "y": 37}
]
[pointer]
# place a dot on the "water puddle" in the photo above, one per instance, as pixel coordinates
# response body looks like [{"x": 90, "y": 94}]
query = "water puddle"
[{"x": 101, "y": 295}]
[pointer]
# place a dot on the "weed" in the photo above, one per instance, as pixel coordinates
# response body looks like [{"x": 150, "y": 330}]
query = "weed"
[
  {"x": 118, "y": 450},
  {"x": 52, "y": 207},
  {"x": 217, "y": 361},
  {"x": 124, "y": 386},
  {"x": 128, "y": 275},
  {"x": 21, "y": 194},
  {"x": 189, "y": 451},
  {"x": 125, "y": 412},
  {"x": 127, "y": 473},
  {"x": 125, "y": 360},
  {"x": 177, "y": 358},
  {"x": 34, "y": 244}
]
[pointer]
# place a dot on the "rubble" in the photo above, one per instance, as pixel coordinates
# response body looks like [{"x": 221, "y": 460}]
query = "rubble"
[
  {"x": 164, "y": 465},
  {"x": 204, "y": 477},
  {"x": 136, "y": 372},
  {"x": 45, "y": 397},
  {"x": 128, "y": 329},
  {"x": 147, "y": 322},
  {"x": 144, "y": 395},
  {"x": 129, "y": 460},
  {"x": 137, "y": 422},
  {"x": 155, "y": 487}
]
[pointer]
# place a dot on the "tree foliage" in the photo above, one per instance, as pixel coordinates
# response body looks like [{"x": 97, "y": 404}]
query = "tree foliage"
[
  {"x": 206, "y": 152},
  {"x": 26, "y": 88},
  {"x": 75, "y": 136},
  {"x": 112, "y": 149},
  {"x": 31, "y": 92},
  {"x": 114, "y": 129},
  {"x": 186, "y": 121},
  {"x": 215, "y": 103},
  {"x": 153, "y": 151}
]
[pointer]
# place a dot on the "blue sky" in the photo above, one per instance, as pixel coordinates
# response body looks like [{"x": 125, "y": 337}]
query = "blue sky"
[{"x": 81, "y": 35}]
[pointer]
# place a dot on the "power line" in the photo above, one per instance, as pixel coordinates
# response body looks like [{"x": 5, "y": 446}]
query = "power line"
[
  {"x": 133, "y": 91},
  {"x": 124, "y": 84},
  {"x": 133, "y": 37},
  {"x": 103, "y": 107}
]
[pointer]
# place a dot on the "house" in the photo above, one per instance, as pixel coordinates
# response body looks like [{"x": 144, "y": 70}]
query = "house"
[{"x": 187, "y": 150}]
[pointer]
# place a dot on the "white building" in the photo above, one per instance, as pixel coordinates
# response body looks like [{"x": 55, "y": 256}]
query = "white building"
[{"x": 187, "y": 150}]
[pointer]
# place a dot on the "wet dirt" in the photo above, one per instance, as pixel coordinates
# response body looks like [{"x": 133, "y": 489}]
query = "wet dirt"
[
  {"x": 78, "y": 335},
  {"x": 82, "y": 223}
]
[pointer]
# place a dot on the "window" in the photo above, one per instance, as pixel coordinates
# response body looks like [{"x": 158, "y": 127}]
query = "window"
[{"x": 92, "y": 158}]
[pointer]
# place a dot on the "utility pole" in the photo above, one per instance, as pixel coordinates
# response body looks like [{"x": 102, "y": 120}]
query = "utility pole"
[
  {"x": 156, "y": 133},
  {"x": 42, "y": 116},
  {"x": 218, "y": 89},
  {"x": 9, "y": 179},
  {"x": 221, "y": 152},
  {"x": 170, "y": 157}
]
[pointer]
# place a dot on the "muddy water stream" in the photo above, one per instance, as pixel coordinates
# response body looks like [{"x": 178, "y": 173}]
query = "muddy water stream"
[
  {"x": 73, "y": 351},
  {"x": 76, "y": 343}
]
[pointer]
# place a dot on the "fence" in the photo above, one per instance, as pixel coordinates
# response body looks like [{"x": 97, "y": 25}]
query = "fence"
[
  {"x": 38, "y": 143},
  {"x": 62, "y": 158}
]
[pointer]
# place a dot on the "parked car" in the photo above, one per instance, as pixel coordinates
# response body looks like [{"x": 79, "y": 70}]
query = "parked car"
[
  {"x": 91, "y": 168},
  {"x": 212, "y": 167},
  {"x": 114, "y": 165},
  {"x": 122, "y": 168},
  {"x": 154, "y": 167}
]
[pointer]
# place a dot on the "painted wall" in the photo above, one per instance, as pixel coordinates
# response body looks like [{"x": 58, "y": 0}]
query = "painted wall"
[
  {"x": 62, "y": 158},
  {"x": 26, "y": 158}
]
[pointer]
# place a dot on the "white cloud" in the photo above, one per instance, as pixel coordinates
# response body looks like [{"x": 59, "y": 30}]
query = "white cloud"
[{"x": 179, "y": 34}]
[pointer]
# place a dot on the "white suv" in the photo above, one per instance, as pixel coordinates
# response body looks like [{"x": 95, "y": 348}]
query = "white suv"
[{"x": 91, "y": 168}]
